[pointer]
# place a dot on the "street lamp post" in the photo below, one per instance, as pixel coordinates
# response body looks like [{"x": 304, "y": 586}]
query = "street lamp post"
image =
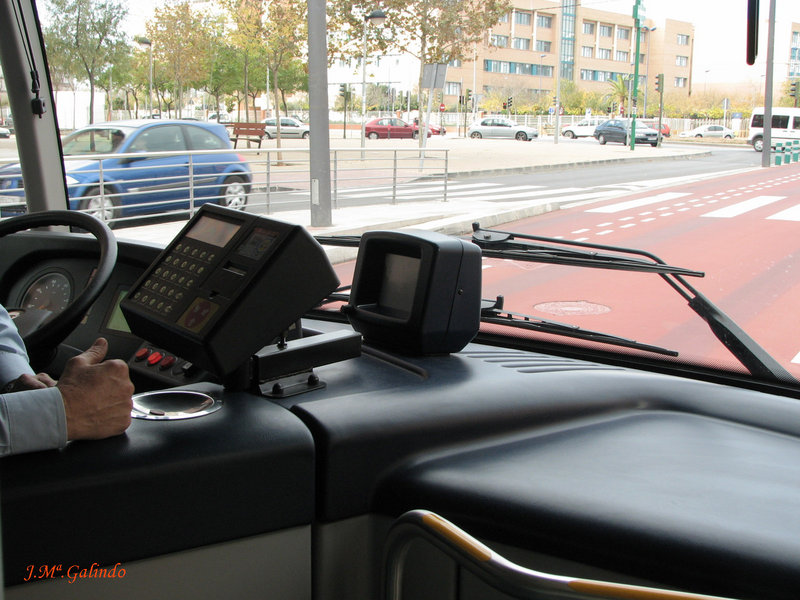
[
  {"x": 541, "y": 66},
  {"x": 649, "y": 31},
  {"x": 377, "y": 17},
  {"x": 142, "y": 41}
]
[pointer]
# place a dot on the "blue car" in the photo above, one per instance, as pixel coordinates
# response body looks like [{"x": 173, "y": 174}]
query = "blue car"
[{"x": 140, "y": 172}]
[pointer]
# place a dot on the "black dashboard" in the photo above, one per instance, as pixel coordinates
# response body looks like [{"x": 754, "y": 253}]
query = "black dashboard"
[{"x": 682, "y": 482}]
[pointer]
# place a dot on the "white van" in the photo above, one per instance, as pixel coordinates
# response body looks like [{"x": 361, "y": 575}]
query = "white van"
[
  {"x": 583, "y": 128},
  {"x": 785, "y": 126}
]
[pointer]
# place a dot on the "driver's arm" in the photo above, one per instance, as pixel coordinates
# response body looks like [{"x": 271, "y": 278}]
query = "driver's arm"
[{"x": 92, "y": 400}]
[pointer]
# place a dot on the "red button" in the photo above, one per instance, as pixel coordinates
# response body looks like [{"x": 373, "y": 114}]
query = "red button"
[
  {"x": 141, "y": 353},
  {"x": 154, "y": 358},
  {"x": 168, "y": 361}
]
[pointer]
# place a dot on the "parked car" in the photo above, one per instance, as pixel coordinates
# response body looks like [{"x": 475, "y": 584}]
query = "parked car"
[
  {"x": 8, "y": 123},
  {"x": 391, "y": 127},
  {"x": 653, "y": 124},
  {"x": 711, "y": 131},
  {"x": 219, "y": 117},
  {"x": 5, "y": 132},
  {"x": 583, "y": 128},
  {"x": 136, "y": 182},
  {"x": 290, "y": 128},
  {"x": 501, "y": 127},
  {"x": 618, "y": 130}
]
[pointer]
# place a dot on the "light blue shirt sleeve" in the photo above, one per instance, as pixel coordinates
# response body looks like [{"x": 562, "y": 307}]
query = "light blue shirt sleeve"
[
  {"x": 30, "y": 420},
  {"x": 13, "y": 357}
]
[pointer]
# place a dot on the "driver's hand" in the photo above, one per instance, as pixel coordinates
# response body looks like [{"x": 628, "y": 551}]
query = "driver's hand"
[
  {"x": 97, "y": 394},
  {"x": 30, "y": 382}
]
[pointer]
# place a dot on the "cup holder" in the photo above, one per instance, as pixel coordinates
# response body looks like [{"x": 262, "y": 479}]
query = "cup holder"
[{"x": 173, "y": 405}]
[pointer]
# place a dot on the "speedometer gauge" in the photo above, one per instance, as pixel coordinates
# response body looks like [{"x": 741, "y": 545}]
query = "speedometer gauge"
[{"x": 52, "y": 292}]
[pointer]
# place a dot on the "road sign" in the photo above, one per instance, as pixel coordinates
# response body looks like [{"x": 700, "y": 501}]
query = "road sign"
[
  {"x": 441, "y": 107},
  {"x": 552, "y": 110}
]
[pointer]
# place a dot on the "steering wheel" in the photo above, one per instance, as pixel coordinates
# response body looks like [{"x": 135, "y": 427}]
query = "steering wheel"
[{"x": 52, "y": 332}]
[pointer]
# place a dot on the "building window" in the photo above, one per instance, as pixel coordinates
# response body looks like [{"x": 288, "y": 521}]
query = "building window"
[
  {"x": 683, "y": 40},
  {"x": 456, "y": 63},
  {"x": 501, "y": 41},
  {"x": 796, "y": 38},
  {"x": 681, "y": 61},
  {"x": 681, "y": 82},
  {"x": 604, "y": 53},
  {"x": 521, "y": 43},
  {"x": 621, "y": 56},
  {"x": 588, "y": 28},
  {"x": 503, "y": 18},
  {"x": 543, "y": 46},
  {"x": 623, "y": 33},
  {"x": 587, "y": 51},
  {"x": 522, "y": 18},
  {"x": 452, "y": 88},
  {"x": 605, "y": 30},
  {"x": 545, "y": 21}
]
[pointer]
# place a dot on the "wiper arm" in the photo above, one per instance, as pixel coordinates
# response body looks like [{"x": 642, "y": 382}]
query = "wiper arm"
[
  {"x": 492, "y": 312},
  {"x": 502, "y": 244}
]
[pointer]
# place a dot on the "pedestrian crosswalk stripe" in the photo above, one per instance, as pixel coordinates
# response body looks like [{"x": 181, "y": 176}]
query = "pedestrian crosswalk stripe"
[
  {"x": 739, "y": 208},
  {"x": 629, "y": 204},
  {"x": 790, "y": 214}
]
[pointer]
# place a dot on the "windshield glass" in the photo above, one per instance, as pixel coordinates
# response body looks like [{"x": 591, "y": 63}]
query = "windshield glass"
[{"x": 494, "y": 134}]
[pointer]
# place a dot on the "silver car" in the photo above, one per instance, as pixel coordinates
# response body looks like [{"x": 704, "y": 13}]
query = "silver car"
[
  {"x": 290, "y": 128},
  {"x": 501, "y": 127}
]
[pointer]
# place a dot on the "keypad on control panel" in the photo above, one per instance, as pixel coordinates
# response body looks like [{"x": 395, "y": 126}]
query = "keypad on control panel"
[{"x": 174, "y": 277}]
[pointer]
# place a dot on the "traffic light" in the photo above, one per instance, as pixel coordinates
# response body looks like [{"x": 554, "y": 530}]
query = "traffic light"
[
  {"x": 555, "y": 100},
  {"x": 510, "y": 101},
  {"x": 660, "y": 82},
  {"x": 343, "y": 90},
  {"x": 469, "y": 96},
  {"x": 793, "y": 89},
  {"x": 505, "y": 105}
]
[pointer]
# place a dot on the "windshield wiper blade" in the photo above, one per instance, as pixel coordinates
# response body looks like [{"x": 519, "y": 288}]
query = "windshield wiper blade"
[
  {"x": 504, "y": 244},
  {"x": 492, "y": 312}
]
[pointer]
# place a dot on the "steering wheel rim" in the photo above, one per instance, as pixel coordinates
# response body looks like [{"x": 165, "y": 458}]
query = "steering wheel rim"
[{"x": 54, "y": 331}]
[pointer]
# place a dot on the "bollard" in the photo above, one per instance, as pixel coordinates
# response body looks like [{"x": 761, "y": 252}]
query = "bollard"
[
  {"x": 795, "y": 150},
  {"x": 787, "y": 153},
  {"x": 777, "y": 154}
]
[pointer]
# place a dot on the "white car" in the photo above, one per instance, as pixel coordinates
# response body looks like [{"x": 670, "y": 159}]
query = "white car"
[
  {"x": 5, "y": 132},
  {"x": 583, "y": 128},
  {"x": 715, "y": 131},
  {"x": 501, "y": 127},
  {"x": 290, "y": 127}
]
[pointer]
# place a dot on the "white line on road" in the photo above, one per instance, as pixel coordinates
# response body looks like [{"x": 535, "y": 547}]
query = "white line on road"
[
  {"x": 734, "y": 210},
  {"x": 790, "y": 214},
  {"x": 629, "y": 204}
]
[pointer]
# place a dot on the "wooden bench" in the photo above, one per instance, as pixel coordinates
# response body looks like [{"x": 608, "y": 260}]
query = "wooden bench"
[{"x": 251, "y": 132}]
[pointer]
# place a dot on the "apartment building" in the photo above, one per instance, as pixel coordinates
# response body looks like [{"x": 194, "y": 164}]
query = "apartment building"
[{"x": 520, "y": 53}]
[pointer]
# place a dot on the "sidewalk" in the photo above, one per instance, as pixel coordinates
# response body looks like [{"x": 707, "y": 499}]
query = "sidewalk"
[{"x": 466, "y": 158}]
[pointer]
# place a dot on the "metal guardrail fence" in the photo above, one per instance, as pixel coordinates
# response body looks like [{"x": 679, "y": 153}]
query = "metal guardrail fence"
[{"x": 124, "y": 187}]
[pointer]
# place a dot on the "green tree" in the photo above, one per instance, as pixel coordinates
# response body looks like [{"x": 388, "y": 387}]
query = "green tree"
[
  {"x": 179, "y": 36},
  {"x": 87, "y": 34}
]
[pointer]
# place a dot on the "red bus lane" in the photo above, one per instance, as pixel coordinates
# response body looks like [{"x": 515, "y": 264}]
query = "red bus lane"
[{"x": 741, "y": 230}]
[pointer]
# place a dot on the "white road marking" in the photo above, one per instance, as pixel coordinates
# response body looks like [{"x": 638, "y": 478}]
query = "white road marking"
[{"x": 734, "y": 210}]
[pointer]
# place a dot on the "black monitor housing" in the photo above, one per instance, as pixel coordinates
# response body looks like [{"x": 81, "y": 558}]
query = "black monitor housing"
[{"x": 416, "y": 292}]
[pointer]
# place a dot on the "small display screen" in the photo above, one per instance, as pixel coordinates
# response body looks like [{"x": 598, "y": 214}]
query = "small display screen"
[
  {"x": 399, "y": 285},
  {"x": 115, "y": 320},
  {"x": 213, "y": 231},
  {"x": 257, "y": 243}
]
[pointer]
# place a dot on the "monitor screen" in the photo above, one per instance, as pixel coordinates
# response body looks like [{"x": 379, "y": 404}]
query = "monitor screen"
[
  {"x": 212, "y": 230},
  {"x": 399, "y": 285}
]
